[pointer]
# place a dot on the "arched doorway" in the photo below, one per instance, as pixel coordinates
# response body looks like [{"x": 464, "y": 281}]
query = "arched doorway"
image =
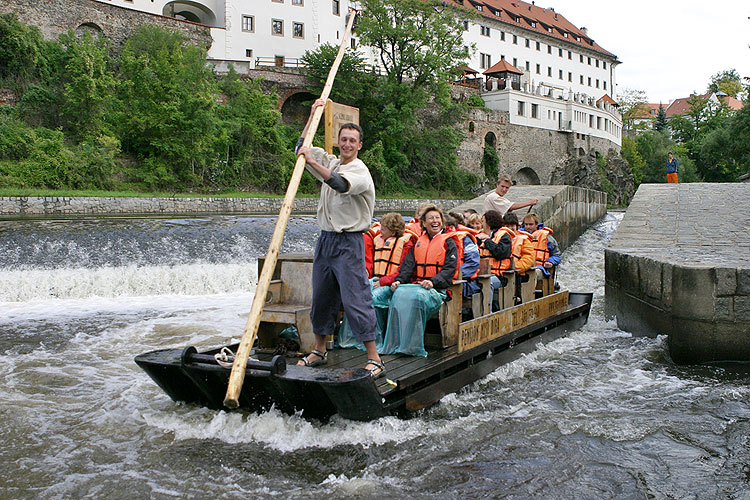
[
  {"x": 490, "y": 160},
  {"x": 190, "y": 11},
  {"x": 526, "y": 176},
  {"x": 91, "y": 28},
  {"x": 296, "y": 108}
]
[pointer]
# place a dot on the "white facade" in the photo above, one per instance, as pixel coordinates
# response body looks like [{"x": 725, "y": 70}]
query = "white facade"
[{"x": 550, "y": 109}]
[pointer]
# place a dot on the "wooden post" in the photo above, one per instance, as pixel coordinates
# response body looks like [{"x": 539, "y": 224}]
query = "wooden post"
[{"x": 237, "y": 375}]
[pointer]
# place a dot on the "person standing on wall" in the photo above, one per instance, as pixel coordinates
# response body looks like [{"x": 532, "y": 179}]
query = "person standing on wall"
[
  {"x": 345, "y": 210},
  {"x": 672, "y": 169},
  {"x": 497, "y": 200}
]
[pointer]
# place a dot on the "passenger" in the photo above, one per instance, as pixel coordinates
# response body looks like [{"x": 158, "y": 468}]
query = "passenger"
[
  {"x": 415, "y": 225},
  {"x": 426, "y": 272},
  {"x": 468, "y": 213},
  {"x": 497, "y": 200},
  {"x": 474, "y": 221},
  {"x": 523, "y": 252},
  {"x": 369, "y": 237},
  {"x": 468, "y": 254},
  {"x": 496, "y": 243},
  {"x": 547, "y": 251},
  {"x": 390, "y": 247}
]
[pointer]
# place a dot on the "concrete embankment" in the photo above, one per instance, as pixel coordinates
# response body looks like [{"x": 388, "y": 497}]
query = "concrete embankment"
[
  {"x": 679, "y": 264},
  {"x": 568, "y": 210},
  {"x": 35, "y": 206}
]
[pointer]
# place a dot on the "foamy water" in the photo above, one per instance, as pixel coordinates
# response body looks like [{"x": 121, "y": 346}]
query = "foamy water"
[{"x": 599, "y": 414}]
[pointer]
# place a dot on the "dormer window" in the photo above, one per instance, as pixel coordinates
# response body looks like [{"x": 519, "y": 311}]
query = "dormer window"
[{"x": 479, "y": 8}]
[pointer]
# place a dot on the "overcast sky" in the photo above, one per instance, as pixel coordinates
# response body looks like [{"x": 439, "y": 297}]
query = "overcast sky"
[{"x": 668, "y": 48}]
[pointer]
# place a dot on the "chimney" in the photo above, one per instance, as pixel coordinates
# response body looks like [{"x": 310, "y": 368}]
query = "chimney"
[{"x": 585, "y": 30}]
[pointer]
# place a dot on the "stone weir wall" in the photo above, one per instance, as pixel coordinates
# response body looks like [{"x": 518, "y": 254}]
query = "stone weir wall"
[
  {"x": 568, "y": 210},
  {"x": 679, "y": 265},
  {"x": 34, "y": 206}
]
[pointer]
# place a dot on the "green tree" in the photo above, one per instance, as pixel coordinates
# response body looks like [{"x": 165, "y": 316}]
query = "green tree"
[
  {"x": 729, "y": 82},
  {"x": 351, "y": 76},
  {"x": 633, "y": 106},
  {"x": 652, "y": 147},
  {"x": 22, "y": 53},
  {"x": 634, "y": 159},
  {"x": 167, "y": 114},
  {"x": 661, "y": 124},
  {"x": 88, "y": 85}
]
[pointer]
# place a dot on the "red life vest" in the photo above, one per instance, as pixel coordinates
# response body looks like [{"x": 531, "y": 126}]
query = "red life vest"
[
  {"x": 498, "y": 266},
  {"x": 541, "y": 250},
  {"x": 429, "y": 255},
  {"x": 388, "y": 254},
  {"x": 369, "y": 238}
]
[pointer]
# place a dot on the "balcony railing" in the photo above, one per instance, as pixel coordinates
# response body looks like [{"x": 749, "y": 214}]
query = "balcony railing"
[{"x": 279, "y": 62}]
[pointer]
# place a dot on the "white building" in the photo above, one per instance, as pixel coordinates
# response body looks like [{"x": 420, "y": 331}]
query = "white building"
[{"x": 566, "y": 79}]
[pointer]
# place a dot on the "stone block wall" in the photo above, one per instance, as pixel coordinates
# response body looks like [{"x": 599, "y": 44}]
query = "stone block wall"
[
  {"x": 33, "y": 206},
  {"x": 678, "y": 266},
  {"x": 117, "y": 24}
]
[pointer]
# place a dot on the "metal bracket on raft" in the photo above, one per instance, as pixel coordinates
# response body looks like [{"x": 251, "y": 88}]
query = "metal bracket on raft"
[{"x": 276, "y": 366}]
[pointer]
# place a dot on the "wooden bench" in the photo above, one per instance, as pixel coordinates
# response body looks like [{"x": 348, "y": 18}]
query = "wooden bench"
[
  {"x": 442, "y": 329},
  {"x": 288, "y": 301},
  {"x": 546, "y": 284}
]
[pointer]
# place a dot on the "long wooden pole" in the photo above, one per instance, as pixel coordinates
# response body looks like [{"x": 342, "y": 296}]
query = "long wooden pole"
[{"x": 237, "y": 376}]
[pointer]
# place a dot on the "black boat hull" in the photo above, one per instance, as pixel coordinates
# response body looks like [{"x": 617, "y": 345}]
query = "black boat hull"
[{"x": 350, "y": 392}]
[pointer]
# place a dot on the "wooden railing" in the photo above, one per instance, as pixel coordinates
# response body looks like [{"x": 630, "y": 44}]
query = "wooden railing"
[{"x": 279, "y": 62}]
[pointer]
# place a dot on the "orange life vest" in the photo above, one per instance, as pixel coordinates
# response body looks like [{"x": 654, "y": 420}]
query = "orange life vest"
[
  {"x": 461, "y": 233},
  {"x": 498, "y": 266},
  {"x": 429, "y": 255},
  {"x": 541, "y": 251},
  {"x": 388, "y": 254},
  {"x": 415, "y": 226},
  {"x": 518, "y": 241}
]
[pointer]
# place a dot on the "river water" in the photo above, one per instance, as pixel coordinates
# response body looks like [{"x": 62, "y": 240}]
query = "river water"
[{"x": 599, "y": 414}]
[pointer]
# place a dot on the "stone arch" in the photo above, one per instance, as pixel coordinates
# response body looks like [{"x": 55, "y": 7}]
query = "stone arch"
[
  {"x": 527, "y": 176},
  {"x": 293, "y": 111},
  {"x": 490, "y": 139},
  {"x": 471, "y": 127},
  {"x": 581, "y": 152},
  {"x": 88, "y": 27},
  {"x": 190, "y": 11}
]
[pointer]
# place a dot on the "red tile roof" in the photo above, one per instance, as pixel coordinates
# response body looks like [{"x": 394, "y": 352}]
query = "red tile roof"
[
  {"x": 607, "y": 99},
  {"x": 533, "y": 18},
  {"x": 501, "y": 66},
  {"x": 647, "y": 110},
  {"x": 680, "y": 107}
]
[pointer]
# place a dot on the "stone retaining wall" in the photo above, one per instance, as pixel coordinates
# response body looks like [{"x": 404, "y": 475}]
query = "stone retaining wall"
[
  {"x": 34, "y": 206},
  {"x": 678, "y": 265}
]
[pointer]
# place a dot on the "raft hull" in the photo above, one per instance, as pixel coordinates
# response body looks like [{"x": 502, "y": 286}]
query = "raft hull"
[{"x": 342, "y": 387}]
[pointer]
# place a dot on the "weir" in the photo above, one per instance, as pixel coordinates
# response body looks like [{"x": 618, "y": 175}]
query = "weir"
[
  {"x": 568, "y": 210},
  {"x": 679, "y": 265}
]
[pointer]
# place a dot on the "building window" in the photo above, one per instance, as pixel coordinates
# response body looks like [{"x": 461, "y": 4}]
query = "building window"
[
  {"x": 277, "y": 27},
  {"x": 538, "y": 69},
  {"x": 589, "y": 81},
  {"x": 248, "y": 23},
  {"x": 298, "y": 30},
  {"x": 535, "y": 111},
  {"x": 515, "y": 39},
  {"x": 278, "y": 1},
  {"x": 298, "y": 2},
  {"x": 538, "y": 46},
  {"x": 581, "y": 79},
  {"x": 249, "y": 53},
  {"x": 559, "y": 52},
  {"x": 466, "y": 25},
  {"x": 479, "y": 8},
  {"x": 604, "y": 64},
  {"x": 549, "y": 70},
  {"x": 528, "y": 65},
  {"x": 581, "y": 57},
  {"x": 560, "y": 74},
  {"x": 597, "y": 83},
  {"x": 353, "y": 43},
  {"x": 484, "y": 30},
  {"x": 605, "y": 84},
  {"x": 597, "y": 63},
  {"x": 520, "y": 108},
  {"x": 589, "y": 61},
  {"x": 549, "y": 49},
  {"x": 515, "y": 62},
  {"x": 502, "y": 36},
  {"x": 336, "y": 7},
  {"x": 528, "y": 43},
  {"x": 484, "y": 61},
  {"x": 570, "y": 55},
  {"x": 570, "y": 76}
]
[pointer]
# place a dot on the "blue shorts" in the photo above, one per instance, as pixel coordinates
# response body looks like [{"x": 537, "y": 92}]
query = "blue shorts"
[{"x": 339, "y": 277}]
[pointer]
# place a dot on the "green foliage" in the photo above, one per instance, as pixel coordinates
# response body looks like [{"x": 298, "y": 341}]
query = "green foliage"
[
  {"x": 350, "y": 77},
  {"x": 22, "y": 52},
  {"x": 728, "y": 82},
  {"x": 88, "y": 86},
  {"x": 634, "y": 159},
  {"x": 475, "y": 101},
  {"x": 167, "y": 96},
  {"x": 490, "y": 162},
  {"x": 661, "y": 123},
  {"x": 632, "y": 106},
  {"x": 652, "y": 147},
  {"x": 724, "y": 153}
]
